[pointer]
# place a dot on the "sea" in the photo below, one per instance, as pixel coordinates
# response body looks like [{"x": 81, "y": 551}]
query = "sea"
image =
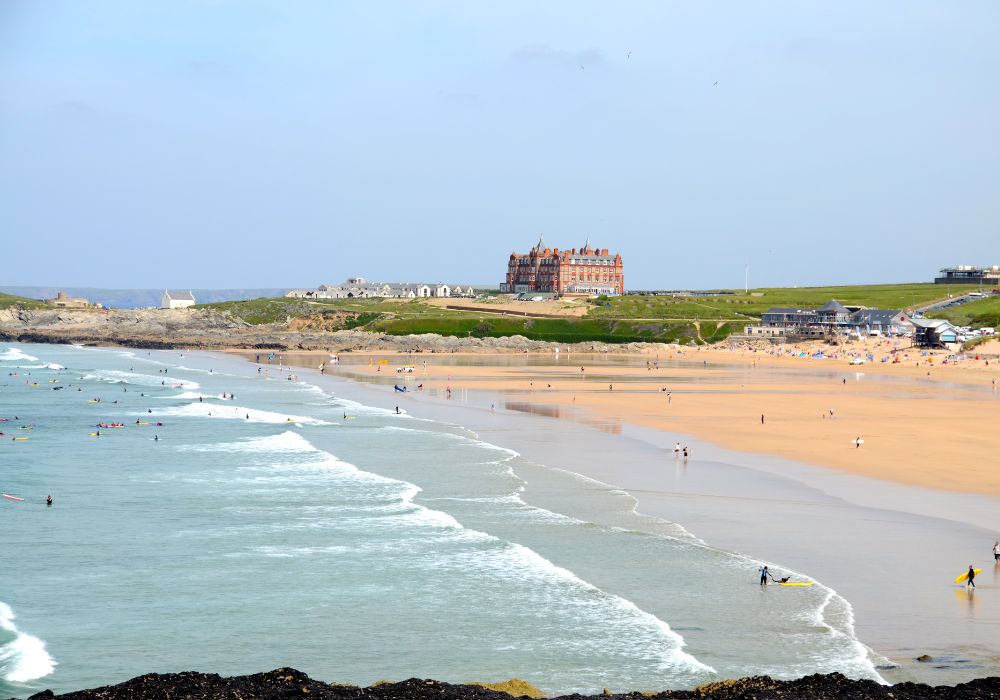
[{"x": 243, "y": 519}]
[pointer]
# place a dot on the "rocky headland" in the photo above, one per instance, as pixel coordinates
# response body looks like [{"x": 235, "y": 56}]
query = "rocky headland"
[
  {"x": 286, "y": 683},
  {"x": 208, "y": 329}
]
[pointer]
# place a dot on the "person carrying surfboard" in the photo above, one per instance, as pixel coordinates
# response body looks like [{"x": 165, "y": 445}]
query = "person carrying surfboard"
[{"x": 970, "y": 581}]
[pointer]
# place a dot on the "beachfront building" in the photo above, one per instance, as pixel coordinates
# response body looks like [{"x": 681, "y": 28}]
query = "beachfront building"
[
  {"x": 834, "y": 318},
  {"x": 935, "y": 333},
  {"x": 969, "y": 274},
  {"x": 176, "y": 300},
  {"x": 359, "y": 288},
  {"x": 64, "y": 301},
  {"x": 587, "y": 270}
]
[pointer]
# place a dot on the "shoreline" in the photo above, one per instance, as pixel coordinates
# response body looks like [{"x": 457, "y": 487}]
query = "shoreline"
[{"x": 808, "y": 518}]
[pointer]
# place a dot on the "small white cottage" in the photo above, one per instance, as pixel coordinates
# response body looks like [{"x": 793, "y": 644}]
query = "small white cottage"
[{"x": 176, "y": 300}]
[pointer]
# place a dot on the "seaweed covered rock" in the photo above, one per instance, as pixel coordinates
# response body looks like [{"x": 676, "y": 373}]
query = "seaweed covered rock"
[{"x": 286, "y": 683}]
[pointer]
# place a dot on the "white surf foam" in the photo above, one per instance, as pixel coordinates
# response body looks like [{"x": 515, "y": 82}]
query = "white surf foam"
[
  {"x": 512, "y": 559},
  {"x": 23, "y": 658},
  {"x": 283, "y": 443},
  {"x": 225, "y": 411},
  {"x": 116, "y": 376},
  {"x": 15, "y": 354}
]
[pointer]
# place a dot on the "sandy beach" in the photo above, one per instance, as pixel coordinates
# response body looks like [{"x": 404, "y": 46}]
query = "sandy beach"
[{"x": 924, "y": 421}]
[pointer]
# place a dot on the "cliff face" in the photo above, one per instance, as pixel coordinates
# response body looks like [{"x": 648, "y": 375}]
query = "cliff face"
[
  {"x": 213, "y": 330},
  {"x": 285, "y": 683}
]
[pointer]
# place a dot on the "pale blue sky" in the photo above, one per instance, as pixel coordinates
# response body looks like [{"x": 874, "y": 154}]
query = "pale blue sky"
[{"x": 237, "y": 144}]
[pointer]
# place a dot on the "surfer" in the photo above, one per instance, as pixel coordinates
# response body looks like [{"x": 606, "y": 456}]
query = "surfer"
[
  {"x": 48, "y": 500},
  {"x": 397, "y": 410},
  {"x": 764, "y": 573},
  {"x": 156, "y": 438},
  {"x": 972, "y": 575}
]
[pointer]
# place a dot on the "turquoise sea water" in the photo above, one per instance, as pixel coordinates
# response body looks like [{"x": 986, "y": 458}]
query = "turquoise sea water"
[{"x": 291, "y": 526}]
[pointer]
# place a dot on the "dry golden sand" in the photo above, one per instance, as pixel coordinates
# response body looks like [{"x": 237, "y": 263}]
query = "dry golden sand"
[{"x": 931, "y": 424}]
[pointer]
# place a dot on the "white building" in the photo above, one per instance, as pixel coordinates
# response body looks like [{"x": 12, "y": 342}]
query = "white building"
[
  {"x": 359, "y": 288},
  {"x": 176, "y": 300}
]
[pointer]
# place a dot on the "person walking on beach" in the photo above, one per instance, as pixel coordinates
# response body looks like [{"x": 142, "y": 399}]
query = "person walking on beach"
[
  {"x": 996, "y": 551},
  {"x": 764, "y": 573},
  {"x": 677, "y": 450},
  {"x": 762, "y": 419},
  {"x": 972, "y": 577},
  {"x": 858, "y": 442},
  {"x": 685, "y": 453}
]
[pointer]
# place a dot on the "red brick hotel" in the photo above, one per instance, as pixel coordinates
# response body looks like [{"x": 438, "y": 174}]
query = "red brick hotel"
[{"x": 585, "y": 271}]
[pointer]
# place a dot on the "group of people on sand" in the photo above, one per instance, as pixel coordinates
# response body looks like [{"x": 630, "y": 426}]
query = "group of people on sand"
[{"x": 680, "y": 451}]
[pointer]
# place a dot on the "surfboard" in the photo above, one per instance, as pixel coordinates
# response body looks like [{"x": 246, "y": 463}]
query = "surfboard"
[
  {"x": 797, "y": 583},
  {"x": 13, "y": 498},
  {"x": 94, "y": 434},
  {"x": 21, "y": 438},
  {"x": 963, "y": 577}
]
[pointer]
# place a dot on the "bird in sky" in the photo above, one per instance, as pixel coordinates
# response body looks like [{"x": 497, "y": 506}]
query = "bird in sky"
[
  {"x": 582, "y": 68},
  {"x": 628, "y": 55},
  {"x": 715, "y": 84}
]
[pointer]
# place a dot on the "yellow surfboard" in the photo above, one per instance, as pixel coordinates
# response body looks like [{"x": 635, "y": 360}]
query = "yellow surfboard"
[
  {"x": 796, "y": 583},
  {"x": 963, "y": 577}
]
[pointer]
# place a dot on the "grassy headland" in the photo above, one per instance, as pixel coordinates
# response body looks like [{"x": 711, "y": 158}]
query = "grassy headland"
[
  {"x": 661, "y": 318},
  {"x": 9, "y": 300},
  {"x": 985, "y": 312}
]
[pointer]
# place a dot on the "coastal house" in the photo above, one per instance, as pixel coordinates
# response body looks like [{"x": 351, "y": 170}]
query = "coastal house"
[
  {"x": 833, "y": 314},
  {"x": 935, "y": 333},
  {"x": 359, "y": 288},
  {"x": 64, "y": 301},
  {"x": 882, "y": 322},
  {"x": 788, "y": 317},
  {"x": 834, "y": 318},
  {"x": 176, "y": 300}
]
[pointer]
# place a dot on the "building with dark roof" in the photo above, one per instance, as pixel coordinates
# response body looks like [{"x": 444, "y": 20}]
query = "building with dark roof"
[
  {"x": 833, "y": 318},
  {"x": 970, "y": 274}
]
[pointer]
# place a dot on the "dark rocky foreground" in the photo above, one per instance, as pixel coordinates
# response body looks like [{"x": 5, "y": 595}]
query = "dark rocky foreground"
[{"x": 286, "y": 683}]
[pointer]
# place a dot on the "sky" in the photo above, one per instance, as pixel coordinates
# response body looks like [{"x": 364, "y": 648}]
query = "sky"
[{"x": 213, "y": 144}]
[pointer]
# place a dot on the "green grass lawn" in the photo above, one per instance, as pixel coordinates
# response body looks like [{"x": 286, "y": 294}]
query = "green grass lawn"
[
  {"x": 279, "y": 310},
  {"x": 8, "y": 300},
  {"x": 751, "y": 306},
  {"x": 614, "y": 320},
  {"x": 985, "y": 312}
]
